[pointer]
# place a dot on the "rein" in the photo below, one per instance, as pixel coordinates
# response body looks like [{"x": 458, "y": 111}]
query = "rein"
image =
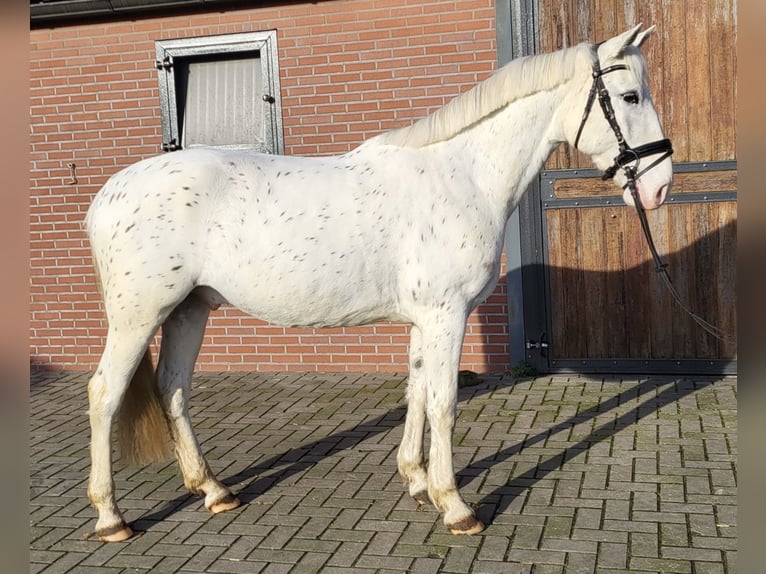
[{"x": 625, "y": 162}]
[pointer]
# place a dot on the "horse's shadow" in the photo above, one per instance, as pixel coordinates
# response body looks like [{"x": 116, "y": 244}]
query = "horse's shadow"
[
  {"x": 300, "y": 459},
  {"x": 498, "y": 501}
]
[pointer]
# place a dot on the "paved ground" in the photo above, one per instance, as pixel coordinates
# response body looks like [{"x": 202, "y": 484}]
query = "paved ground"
[{"x": 572, "y": 474}]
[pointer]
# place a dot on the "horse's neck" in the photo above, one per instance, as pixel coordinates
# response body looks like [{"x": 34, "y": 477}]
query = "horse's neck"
[{"x": 508, "y": 149}]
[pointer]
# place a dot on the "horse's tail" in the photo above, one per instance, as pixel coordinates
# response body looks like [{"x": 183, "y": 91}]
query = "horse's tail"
[{"x": 142, "y": 425}]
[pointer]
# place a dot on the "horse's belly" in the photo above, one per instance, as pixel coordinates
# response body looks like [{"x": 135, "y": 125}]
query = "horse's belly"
[{"x": 307, "y": 295}]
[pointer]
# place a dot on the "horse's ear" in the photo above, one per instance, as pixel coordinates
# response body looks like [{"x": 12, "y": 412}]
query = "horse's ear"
[
  {"x": 643, "y": 36},
  {"x": 615, "y": 47}
]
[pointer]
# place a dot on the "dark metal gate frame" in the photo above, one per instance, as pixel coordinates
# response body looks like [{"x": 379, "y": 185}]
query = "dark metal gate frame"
[{"x": 526, "y": 246}]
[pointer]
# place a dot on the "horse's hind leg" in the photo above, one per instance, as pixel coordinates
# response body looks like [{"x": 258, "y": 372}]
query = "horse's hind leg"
[
  {"x": 182, "y": 334},
  {"x": 410, "y": 455},
  {"x": 122, "y": 354}
]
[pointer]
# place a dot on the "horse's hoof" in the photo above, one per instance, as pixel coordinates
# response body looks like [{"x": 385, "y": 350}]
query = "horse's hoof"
[
  {"x": 117, "y": 533},
  {"x": 468, "y": 525},
  {"x": 421, "y": 498},
  {"x": 228, "y": 502}
]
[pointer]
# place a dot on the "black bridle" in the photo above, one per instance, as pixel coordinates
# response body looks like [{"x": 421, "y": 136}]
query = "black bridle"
[
  {"x": 628, "y": 160},
  {"x": 627, "y": 153}
]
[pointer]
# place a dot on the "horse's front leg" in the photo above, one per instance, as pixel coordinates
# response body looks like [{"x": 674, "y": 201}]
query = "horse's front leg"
[
  {"x": 442, "y": 340},
  {"x": 410, "y": 456}
]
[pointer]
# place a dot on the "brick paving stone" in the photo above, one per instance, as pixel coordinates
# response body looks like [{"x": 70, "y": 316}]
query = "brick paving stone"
[
  {"x": 600, "y": 535},
  {"x": 310, "y": 563},
  {"x": 557, "y": 527},
  {"x": 346, "y": 554},
  {"x": 660, "y": 565},
  {"x": 613, "y": 555},
  {"x": 168, "y": 565},
  {"x": 236, "y": 567},
  {"x": 459, "y": 559},
  {"x": 710, "y": 542},
  {"x": 311, "y": 546},
  {"x": 537, "y": 556},
  {"x": 571, "y": 473},
  {"x": 643, "y": 544},
  {"x": 527, "y": 536},
  {"x": 382, "y": 543},
  {"x": 580, "y": 563},
  {"x": 493, "y": 548},
  {"x": 694, "y": 554},
  {"x": 480, "y": 567},
  {"x": 384, "y": 562},
  {"x": 708, "y": 568},
  {"x": 203, "y": 558},
  {"x": 134, "y": 561},
  {"x": 570, "y": 546},
  {"x": 347, "y": 535}
]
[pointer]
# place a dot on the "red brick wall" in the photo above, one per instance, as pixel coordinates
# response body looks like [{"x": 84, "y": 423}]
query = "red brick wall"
[{"x": 349, "y": 69}]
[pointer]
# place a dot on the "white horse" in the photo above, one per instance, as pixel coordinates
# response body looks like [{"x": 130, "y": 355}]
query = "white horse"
[{"x": 407, "y": 227}]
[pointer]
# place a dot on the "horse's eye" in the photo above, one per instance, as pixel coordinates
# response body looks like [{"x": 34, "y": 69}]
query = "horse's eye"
[{"x": 630, "y": 98}]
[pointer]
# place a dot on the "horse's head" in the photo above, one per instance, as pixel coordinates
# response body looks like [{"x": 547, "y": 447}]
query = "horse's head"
[{"x": 620, "y": 129}]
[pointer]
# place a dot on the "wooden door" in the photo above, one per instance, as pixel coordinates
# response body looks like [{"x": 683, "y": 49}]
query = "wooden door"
[{"x": 605, "y": 308}]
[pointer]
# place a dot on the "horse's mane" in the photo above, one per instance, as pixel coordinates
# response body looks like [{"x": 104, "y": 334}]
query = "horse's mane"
[{"x": 515, "y": 80}]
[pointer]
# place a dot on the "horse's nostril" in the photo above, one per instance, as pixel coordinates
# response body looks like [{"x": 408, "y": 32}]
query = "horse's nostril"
[{"x": 660, "y": 197}]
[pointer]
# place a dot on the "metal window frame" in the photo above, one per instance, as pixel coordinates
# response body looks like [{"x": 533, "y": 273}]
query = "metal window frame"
[{"x": 169, "y": 51}]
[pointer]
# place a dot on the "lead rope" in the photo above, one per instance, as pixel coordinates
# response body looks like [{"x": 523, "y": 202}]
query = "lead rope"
[{"x": 659, "y": 266}]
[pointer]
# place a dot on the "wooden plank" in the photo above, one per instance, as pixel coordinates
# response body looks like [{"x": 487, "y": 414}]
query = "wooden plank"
[
  {"x": 556, "y": 279},
  {"x": 682, "y": 270},
  {"x": 692, "y": 182},
  {"x": 649, "y": 12},
  {"x": 660, "y": 301},
  {"x": 723, "y": 77},
  {"x": 705, "y": 298},
  {"x": 698, "y": 77},
  {"x": 727, "y": 278},
  {"x": 639, "y": 273},
  {"x": 614, "y": 306},
  {"x": 674, "y": 82},
  {"x": 551, "y": 39},
  {"x": 567, "y": 278},
  {"x": 575, "y": 302},
  {"x": 593, "y": 314},
  {"x": 562, "y": 27}
]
